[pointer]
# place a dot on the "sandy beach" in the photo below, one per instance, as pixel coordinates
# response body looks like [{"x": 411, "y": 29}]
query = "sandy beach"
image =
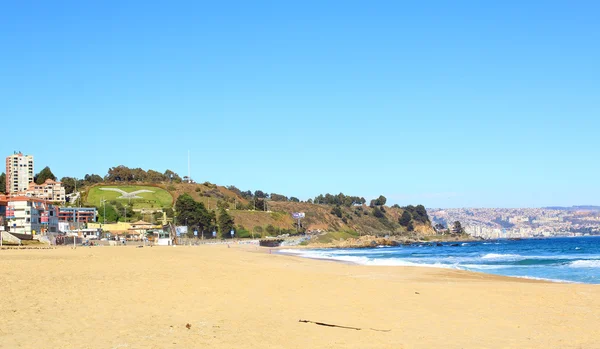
[{"x": 244, "y": 297}]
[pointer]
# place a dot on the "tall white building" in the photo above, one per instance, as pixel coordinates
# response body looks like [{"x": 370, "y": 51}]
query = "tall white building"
[{"x": 19, "y": 173}]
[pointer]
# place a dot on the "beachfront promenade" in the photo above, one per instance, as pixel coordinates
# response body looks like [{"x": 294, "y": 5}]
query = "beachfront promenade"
[{"x": 240, "y": 297}]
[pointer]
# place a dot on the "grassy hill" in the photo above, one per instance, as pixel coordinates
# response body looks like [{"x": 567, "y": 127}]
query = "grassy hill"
[
  {"x": 318, "y": 217},
  {"x": 156, "y": 198},
  {"x": 356, "y": 219}
]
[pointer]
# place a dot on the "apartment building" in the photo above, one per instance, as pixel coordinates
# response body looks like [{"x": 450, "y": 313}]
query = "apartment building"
[
  {"x": 19, "y": 172},
  {"x": 50, "y": 190},
  {"x": 77, "y": 214},
  {"x": 27, "y": 215}
]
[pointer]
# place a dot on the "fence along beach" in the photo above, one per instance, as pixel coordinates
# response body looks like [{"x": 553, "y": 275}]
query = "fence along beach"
[{"x": 239, "y": 297}]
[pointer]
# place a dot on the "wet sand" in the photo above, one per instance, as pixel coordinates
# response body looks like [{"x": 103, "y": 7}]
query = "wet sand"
[{"x": 241, "y": 297}]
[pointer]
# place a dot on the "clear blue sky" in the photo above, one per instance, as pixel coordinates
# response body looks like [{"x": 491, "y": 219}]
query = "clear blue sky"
[{"x": 448, "y": 104}]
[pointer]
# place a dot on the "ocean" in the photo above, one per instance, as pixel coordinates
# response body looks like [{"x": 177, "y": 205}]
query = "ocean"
[{"x": 572, "y": 259}]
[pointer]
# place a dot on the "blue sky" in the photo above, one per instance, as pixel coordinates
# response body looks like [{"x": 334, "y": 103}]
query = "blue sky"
[{"x": 447, "y": 104}]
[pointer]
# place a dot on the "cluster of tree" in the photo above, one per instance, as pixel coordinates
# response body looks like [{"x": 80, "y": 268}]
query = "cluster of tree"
[
  {"x": 337, "y": 211},
  {"x": 114, "y": 211},
  {"x": 339, "y": 200},
  {"x": 379, "y": 212},
  {"x": 279, "y": 197},
  {"x": 411, "y": 214},
  {"x": 70, "y": 183},
  {"x": 125, "y": 174},
  {"x": 257, "y": 200},
  {"x": 380, "y": 201},
  {"x": 43, "y": 175},
  {"x": 418, "y": 213},
  {"x": 405, "y": 220},
  {"x": 248, "y": 195},
  {"x": 195, "y": 216}
]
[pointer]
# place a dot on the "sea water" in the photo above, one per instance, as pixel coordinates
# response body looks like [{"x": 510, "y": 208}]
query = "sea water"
[{"x": 572, "y": 259}]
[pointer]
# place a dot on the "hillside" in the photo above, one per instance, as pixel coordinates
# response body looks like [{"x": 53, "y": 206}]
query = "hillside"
[
  {"x": 276, "y": 218},
  {"x": 141, "y": 196}
]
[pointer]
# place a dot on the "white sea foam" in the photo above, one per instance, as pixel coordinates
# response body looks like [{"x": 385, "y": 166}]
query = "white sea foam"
[
  {"x": 501, "y": 256},
  {"x": 593, "y": 263},
  {"x": 486, "y": 266},
  {"x": 363, "y": 260},
  {"x": 546, "y": 279}
]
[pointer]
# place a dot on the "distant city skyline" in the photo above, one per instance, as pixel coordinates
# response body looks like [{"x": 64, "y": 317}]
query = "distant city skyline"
[{"x": 443, "y": 104}]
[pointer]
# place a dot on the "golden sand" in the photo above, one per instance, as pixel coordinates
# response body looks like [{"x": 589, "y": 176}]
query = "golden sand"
[{"x": 127, "y": 297}]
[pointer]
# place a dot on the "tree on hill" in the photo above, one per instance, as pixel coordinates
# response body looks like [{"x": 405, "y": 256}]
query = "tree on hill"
[
  {"x": 155, "y": 176},
  {"x": 69, "y": 184},
  {"x": 44, "y": 174},
  {"x": 260, "y": 194},
  {"x": 380, "y": 201},
  {"x": 225, "y": 223},
  {"x": 278, "y": 197},
  {"x": 339, "y": 199},
  {"x": 405, "y": 219},
  {"x": 337, "y": 211},
  {"x": 3, "y": 183},
  {"x": 112, "y": 215},
  {"x": 457, "y": 228},
  {"x": 171, "y": 176},
  {"x": 422, "y": 214},
  {"x": 194, "y": 214},
  {"x": 295, "y": 199},
  {"x": 418, "y": 213},
  {"x": 377, "y": 212},
  {"x": 92, "y": 179}
]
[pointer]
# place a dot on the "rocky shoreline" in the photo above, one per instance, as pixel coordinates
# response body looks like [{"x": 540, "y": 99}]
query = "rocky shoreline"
[{"x": 369, "y": 241}]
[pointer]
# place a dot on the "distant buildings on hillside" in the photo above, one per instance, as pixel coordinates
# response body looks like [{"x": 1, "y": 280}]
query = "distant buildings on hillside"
[
  {"x": 20, "y": 180},
  {"x": 30, "y": 208},
  {"x": 493, "y": 223}
]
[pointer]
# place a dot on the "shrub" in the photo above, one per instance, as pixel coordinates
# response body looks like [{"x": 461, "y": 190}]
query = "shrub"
[
  {"x": 378, "y": 212},
  {"x": 337, "y": 211}
]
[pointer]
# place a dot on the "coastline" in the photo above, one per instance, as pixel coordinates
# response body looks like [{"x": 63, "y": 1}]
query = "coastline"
[{"x": 243, "y": 297}]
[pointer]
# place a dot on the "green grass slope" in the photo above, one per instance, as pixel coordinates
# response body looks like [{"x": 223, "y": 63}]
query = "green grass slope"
[{"x": 158, "y": 198}]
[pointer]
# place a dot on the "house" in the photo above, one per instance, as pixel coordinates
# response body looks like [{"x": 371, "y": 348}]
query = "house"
[{"x": 49, "y": 190}]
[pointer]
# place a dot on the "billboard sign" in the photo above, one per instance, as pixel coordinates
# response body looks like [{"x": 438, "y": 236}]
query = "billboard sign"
[
  {"x": 181, "y": 230},
  {"x": 298, "y": 215}
]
